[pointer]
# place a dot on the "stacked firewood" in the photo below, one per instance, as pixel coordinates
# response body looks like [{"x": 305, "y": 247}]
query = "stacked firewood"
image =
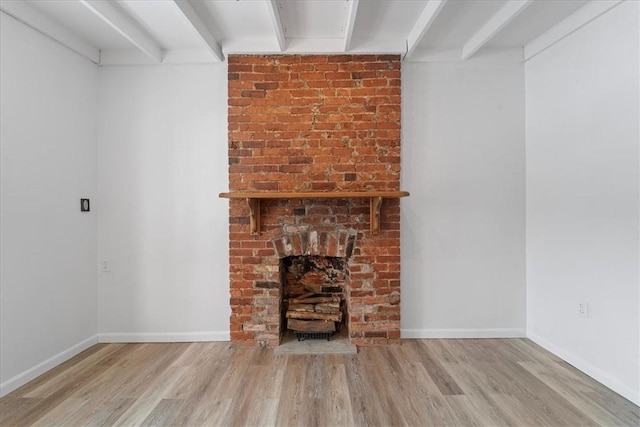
[
  {"x": 314, "y": 293},
  {"x": 314, "y": 312}
]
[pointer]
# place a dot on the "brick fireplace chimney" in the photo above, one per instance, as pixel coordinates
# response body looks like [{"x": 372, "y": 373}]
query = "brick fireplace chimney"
[{"x": 314, "y": 123}]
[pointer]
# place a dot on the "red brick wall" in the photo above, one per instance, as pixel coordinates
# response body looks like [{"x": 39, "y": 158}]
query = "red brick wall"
[{"x": 314, "y": 123}]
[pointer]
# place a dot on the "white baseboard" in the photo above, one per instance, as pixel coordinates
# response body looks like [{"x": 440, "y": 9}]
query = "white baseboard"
[
  {"x": 21, "y": 379},
  {"x": 463, "y": 333},
  {"x": 586, "y": 367},
  {"x": 120, "y": 337}
]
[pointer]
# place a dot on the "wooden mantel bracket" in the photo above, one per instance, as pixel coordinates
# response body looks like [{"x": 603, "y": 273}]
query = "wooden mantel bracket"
[
  {"x": 254, "y": 215},
  {"x": 374, "y": 214},
  {"x": 375, "y": 202}
]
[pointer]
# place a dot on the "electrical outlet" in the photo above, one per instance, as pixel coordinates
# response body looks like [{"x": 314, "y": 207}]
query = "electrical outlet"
[
  {"x": 583, "y": 309},
  {"x": 106, "y": 267}
]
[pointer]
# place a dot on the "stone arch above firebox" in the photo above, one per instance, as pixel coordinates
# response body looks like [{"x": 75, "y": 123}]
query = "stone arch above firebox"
[{"x": 297, "y": 240}]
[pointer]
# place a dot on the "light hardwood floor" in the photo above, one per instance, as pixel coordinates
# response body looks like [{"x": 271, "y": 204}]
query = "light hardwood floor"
[{"x": 489, "y": 382}]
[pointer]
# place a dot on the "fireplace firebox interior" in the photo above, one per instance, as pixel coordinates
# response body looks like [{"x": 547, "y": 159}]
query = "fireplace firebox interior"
[{"x": 313, "y": 295}]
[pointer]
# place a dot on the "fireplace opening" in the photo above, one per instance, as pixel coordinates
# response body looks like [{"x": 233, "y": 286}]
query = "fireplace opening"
[{"x": 313, "y": 296}]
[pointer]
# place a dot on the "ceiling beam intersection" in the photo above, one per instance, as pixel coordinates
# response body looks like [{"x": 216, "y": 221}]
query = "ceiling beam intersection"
[
  {"x": 40, "y": 22},
  {"x": 569, "y": 25},
  {"x": 125, "y": 26},
  {"x": 276, "y": 21},
  {"x": 493, "y": 26},
  {"x": 201, "y": 28},
  {"x": 422, "y": 25},
  {"x": 352, "y": 11}
]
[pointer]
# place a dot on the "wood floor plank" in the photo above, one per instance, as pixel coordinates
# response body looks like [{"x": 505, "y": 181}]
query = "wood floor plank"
[
  {"x": 361, "y": 393},
  {"x": 264, "y": 413},
  {"x": 620, "y": 412},
  {"x": 28, "y": 388},
  {"x": 290, "y": 407},
  {"x": 64, "y": 391},
  {"x": 501, "y": 382},
  {"x": 439, "y": 412},
  {"x": 63, "y": 414},
  {"x": 516, "y": 381},
  {"x": 211, "y": 414},
  {"x": 313, "y": 391},
  {"x": 106, "y": 414},
  {"x": 14, "y": 409},
  {"x": 534, "y": 351},
  {"x": 198, "y": 387},
  {"x": 382, "y": 371},
  {"x": 521, "y": 412},
  {"x": 472, "y": 379},
  {"x": 513, "y": 350},
  {"x": 163, "y": 413},
  {"x": 417, "y": 376},
  {"x": 337, "y": 404},
  {"x": 464, "y": 413},
  {"x": 151, "y": 397},
  {"x": 438, "y": 373},
  {"x": 89, "y": 363},
  {"x": 483, "y": 410},
  {"x": 601, "y": 401}
]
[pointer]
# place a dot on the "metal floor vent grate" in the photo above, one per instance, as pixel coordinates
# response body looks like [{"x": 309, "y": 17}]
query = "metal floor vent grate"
[{"x": 301, "y": 336}]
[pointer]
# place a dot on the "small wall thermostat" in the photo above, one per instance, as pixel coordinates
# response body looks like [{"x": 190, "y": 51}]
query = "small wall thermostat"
[{"x": 84, "y": 205}]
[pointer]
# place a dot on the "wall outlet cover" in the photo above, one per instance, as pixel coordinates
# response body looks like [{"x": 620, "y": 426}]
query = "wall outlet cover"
[{"x": 583, "y": 309}]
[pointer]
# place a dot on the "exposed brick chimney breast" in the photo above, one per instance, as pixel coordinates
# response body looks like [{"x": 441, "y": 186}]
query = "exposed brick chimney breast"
[{"x": 314, "y": 123}]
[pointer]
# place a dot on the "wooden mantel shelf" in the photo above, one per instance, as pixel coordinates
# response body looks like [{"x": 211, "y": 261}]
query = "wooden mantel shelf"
[{"x": 375, "y": 197}]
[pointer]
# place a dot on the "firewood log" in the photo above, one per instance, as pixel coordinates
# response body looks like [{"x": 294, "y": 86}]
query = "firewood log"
[
  {"x": 328, "y": 307},
  {"x": 311, "y": 325},
  {"x": 301, "y": 307},
  {"x": 336, "y": 317},
  {"x": 314, "y": 300}
]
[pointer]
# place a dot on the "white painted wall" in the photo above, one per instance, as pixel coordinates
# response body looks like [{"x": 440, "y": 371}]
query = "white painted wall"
[
  {"x": 463, "y": 227},
  {"x": 48, "y": 247},
  {"x": 582, "y": 199},
  {"x": 162, "y": 160}
]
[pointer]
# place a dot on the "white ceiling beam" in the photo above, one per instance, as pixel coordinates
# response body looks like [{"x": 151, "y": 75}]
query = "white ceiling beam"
[
  {"x": 274, "y": 13},
  {"x": 201, "y": 28},
  {"x": 493, "y": 26},
  {"x": 35, "y": 19},
  {"x": 125, "y": 26},
  {"x": 422, "y": 25},
  {"x": 569, "y": 25},
  {"x": 352, "y": 10}
]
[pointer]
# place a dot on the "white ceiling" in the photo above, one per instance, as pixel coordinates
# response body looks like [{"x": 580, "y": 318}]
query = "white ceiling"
[{"x": 201, "y": 31}]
